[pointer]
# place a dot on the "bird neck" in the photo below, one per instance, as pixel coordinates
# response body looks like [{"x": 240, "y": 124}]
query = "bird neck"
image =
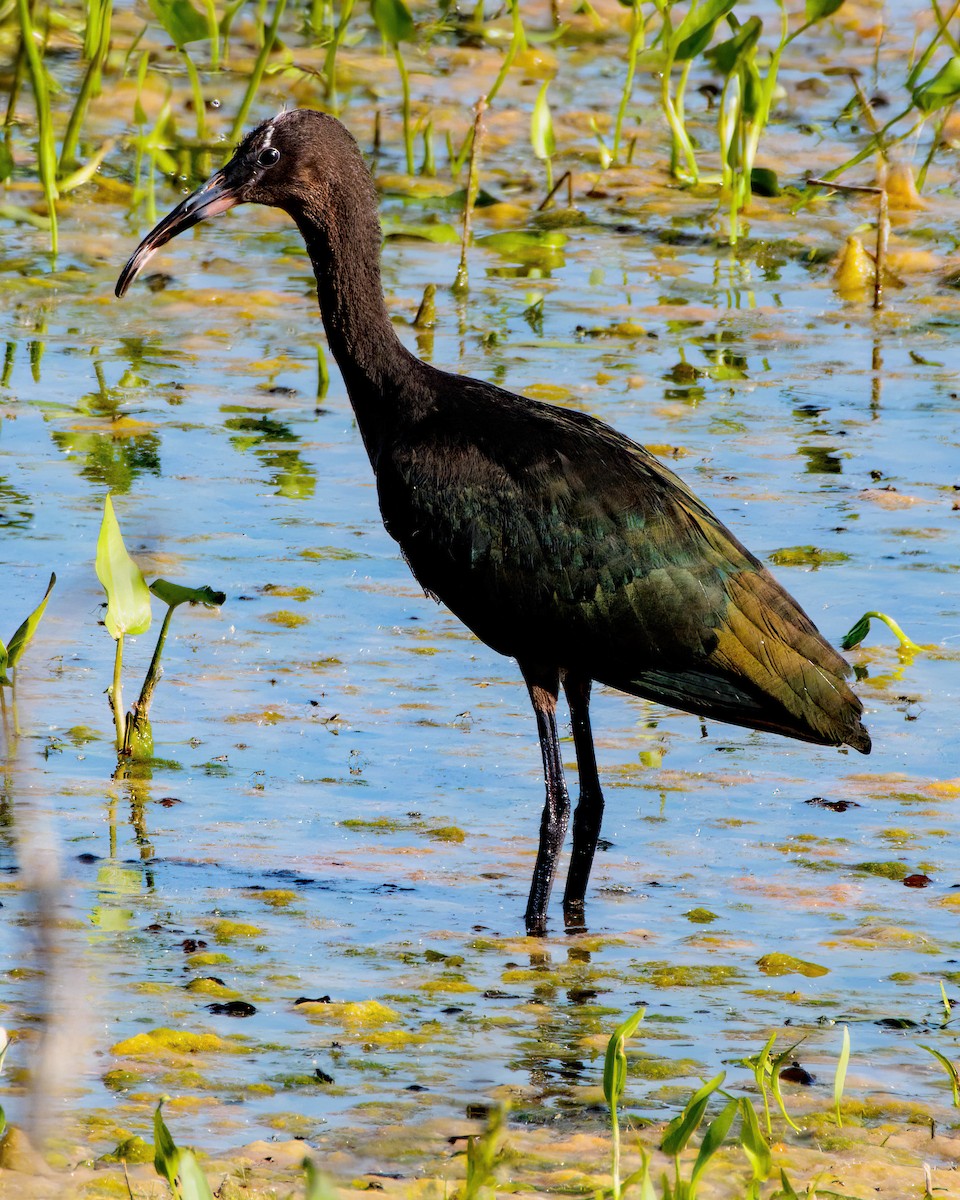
[{"x": 344, "y": 248}]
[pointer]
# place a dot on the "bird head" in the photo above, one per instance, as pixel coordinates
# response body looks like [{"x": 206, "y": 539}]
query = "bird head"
[{"x": 288, "y": 162}]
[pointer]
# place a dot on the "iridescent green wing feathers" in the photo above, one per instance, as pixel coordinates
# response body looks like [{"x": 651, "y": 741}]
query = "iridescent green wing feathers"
[{"x": 557, "y": 539}]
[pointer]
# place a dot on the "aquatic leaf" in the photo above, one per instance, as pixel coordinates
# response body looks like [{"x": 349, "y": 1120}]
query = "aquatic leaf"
[
  {"x": 860, "y": 630},
  {"x": 713, "y": 1139},
  {"x": 696, "y": 29},
  {"x": 6, "y": 162},
  {"x": 818, "y": 10},
  {"x": 764, "y": 182},
  {"x": 434, "y": 232},
  {"x": 728, "y": 55},
  {"x": 318, "y": 1185},
  {"x": 173, "y": 594},
  {"x": 943, "y": 88},
  {"x": 787, "y": 1188},
  {"x": 753, "y": 1142},
  {"x": 193, "y": 1182},
  {"x": 166, "y": 1156},
  {"x": 541, "y": 126},
  {"x": 18, "y": 643},
  {"x": 393, "y": 19},
  {"x": 951, "y": 1069},
  {"x": 615, "y": 1062},
  {"x": 682, "y": 1127},
  {"x": 181, "y": 21},
  {"x": 128, "y": 598},
  {"x": 855, "y": 635},
  {"x": 776, "y": 1069},
  {"x": 841, "y": 1076}
]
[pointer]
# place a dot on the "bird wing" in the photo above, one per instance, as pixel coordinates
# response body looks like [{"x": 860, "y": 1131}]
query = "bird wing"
[{"x": 559, "y": 541}]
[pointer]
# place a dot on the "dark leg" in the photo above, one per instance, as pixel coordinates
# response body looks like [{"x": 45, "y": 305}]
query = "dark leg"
[
  {"x": 544, "y": 687},
  {"x": 589, "y": 811}
]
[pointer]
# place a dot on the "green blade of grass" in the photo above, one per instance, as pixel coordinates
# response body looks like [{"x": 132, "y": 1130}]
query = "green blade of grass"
[
  {"x": 713, "y": 1139},
  {"x": 682, "y": 1127},
  {"x": 841, "y": 1075},
  {"x": 949, "y": 1067}
]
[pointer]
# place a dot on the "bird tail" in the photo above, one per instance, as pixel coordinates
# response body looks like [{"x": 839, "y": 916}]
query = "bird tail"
[{"x": 718, "y": 698}]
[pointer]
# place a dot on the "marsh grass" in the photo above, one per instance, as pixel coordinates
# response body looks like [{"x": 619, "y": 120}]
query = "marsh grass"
[{"x": 663, "y": 45}]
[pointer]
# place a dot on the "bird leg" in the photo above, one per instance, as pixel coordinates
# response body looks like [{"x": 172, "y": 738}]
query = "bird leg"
[
  {"x": 544, "y": 687},
  {"x": 589, "y": 810}
]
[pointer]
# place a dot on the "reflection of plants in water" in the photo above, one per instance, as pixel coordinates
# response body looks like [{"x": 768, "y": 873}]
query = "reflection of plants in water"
[
  {"x": 259, "y": 432},
  {"x": 113, "y": 460},
  {"x": 116, "y": 455},
  {"x": 129, "y": 612},
  {"x": 14, "y": 510}
]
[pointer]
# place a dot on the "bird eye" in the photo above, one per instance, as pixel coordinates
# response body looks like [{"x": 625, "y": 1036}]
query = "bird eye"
[{"x": 268, "y": 157}]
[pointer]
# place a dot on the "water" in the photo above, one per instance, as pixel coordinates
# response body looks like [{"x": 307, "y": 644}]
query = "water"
[{"x": 345, "y": 773}]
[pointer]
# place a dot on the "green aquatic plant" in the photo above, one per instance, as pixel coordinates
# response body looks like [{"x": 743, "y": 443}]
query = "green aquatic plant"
[
  {"x": 31, "y": 41},
  {"x": 336, "y": 36},
  {"x": 681, "y": 44},
  {"x": 682, "y": 1128},
  {"x": 857, "y": 632},
  {"x": 178, "y": 1167},
  {"x": 462, "y": 282},
  {"x": 766, "y": 1072},
  {"x": 747, "y": 99},
  {"x": 483, "y": 1154},
  {"x": 516, "y": 45},
  {"x": 937, "y": 94},
  {"x": 269, "y": 37},
  {"x": 393, "y": 20},
  {"x": 638, "y": 25},
  {"x": 128, "y": 605},
  {"x": 840, "y": 1078},
  {"x": 950, "y": 1069},
  {"x": 129, "y": 612},
  {"x": 541, "y": 133},
  {"x": 614, "y": 1082},
  {"x": 10, "y": 656}
]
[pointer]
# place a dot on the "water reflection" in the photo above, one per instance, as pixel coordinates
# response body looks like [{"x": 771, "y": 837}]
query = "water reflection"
[
  {"x": 112, "y": 460},
  {"x": 15, "y": 510},
  {"x": 258, "y": 431}
]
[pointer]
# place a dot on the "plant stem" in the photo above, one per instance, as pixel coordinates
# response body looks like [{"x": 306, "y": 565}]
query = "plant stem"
[
  {"x": 199, "y": 106},
  {"x": 615, "y": 1151},
  {"x": 213, "y": 32},
  {"x": 116, "y": 696},
  {"x": 256, "y": 75},
  {"x": 637, "y": 30},
  {"x": 140, "y": 712},
  {"x": 407, "y": 125},
  {"x": 518, "y": 42},
  {"x": 46, "y": 149},
  {"x": 462, "y": 281},
  {"x": 90, "y": 85},
  {"x": 330, "y": 65}
]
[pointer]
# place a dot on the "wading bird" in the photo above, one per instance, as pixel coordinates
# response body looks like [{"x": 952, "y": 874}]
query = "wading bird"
[{"x": 557, "y": 540}]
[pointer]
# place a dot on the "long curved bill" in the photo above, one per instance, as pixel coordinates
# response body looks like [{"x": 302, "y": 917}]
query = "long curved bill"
[{"x": 213, "y": 198}]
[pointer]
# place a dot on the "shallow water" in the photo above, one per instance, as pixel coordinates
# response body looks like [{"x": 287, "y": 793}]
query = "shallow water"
[{"x": 352, "y": 779}]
